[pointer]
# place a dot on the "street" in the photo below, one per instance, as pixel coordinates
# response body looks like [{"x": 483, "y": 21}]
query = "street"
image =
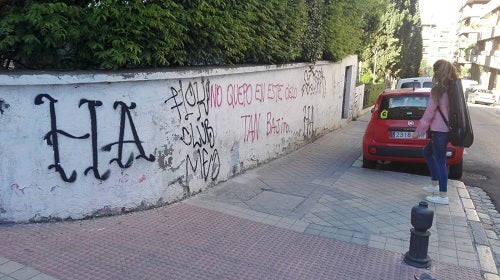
[{"x": 482, "y": 159}]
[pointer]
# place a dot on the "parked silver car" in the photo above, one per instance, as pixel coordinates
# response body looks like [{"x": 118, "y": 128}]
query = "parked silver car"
[{"x": 480, "y": 95}]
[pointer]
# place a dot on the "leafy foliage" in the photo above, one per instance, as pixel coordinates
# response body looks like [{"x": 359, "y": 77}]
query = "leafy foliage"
[
  {"x": 133, "y": 33},
  {"x": 312, "y": 45},
  {"x": 344, "y": 23},
  {"x": 395, "y": 49},
  {"x": 215, "y": 32},
  {"x": 117, "y": 34},
  {"x": 39, "y": 33},
  {"x": 410, "y": 35},
  {"x": 372, "y": 91}
]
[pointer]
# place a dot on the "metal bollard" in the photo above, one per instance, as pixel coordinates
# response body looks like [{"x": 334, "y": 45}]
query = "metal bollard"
[{"x": 421, "y": 220}]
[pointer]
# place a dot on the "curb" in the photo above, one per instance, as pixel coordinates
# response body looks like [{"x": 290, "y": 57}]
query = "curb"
[{"x": 483, "y": 238}]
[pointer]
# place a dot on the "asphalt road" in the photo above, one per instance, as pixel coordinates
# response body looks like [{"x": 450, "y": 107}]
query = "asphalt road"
[{"x": 482, "y": 161}]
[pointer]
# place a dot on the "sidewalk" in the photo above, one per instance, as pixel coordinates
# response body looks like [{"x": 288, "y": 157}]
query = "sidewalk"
[{"x": 312, "y": 214}]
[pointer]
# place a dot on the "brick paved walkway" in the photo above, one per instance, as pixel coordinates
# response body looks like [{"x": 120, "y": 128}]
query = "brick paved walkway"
[{"x": 187, "y": 242}]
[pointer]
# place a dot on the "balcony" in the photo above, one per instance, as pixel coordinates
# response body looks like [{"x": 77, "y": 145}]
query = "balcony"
[
  {"x": 470, "y": 2},
  {"x": 491, "y": 59},
  {"x": 463, "y": 60},
  {"x": 467, "y": 30},
  {"x": 489, "y": 33}
]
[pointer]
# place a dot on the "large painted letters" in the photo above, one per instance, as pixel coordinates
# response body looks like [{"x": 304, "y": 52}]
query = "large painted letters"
[
  {"x": 192, "y": 107},
  {"x": 125, "y": 114},
  {"x": 52, "y": 138}
]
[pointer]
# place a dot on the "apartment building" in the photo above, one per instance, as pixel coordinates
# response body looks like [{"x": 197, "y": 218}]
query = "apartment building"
[
  {"x": 438, "y": 42},
  {"x": 479, "y": 41},
  {"x": 439, "y": 32}
]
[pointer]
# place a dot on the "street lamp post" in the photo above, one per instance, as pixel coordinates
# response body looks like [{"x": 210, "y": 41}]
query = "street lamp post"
[{"x": 375, "y": 66}]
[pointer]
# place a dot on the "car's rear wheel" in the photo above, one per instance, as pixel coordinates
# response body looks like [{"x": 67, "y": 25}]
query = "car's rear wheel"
[
  {"x": 455, "y": 171},
  {"x": 369, "y": 163}
]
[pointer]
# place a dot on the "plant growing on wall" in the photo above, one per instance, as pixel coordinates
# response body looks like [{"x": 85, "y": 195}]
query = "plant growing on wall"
[
  {"x": 117, "y": 34},
  {"x": 132, "y": 34},
  {"x": 312, "y": 44},
  {"x": 343, "y": 31},
  {"x": 35, "y": 34}
]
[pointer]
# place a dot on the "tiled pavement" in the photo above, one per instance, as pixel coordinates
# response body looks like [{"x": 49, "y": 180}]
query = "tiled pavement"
[{"x": 312, "y": 214}]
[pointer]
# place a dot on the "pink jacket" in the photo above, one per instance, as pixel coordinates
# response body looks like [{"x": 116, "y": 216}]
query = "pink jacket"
[{"x": 432, "y": 118}]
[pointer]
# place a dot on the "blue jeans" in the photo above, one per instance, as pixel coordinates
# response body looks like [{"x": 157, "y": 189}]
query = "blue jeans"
[{"x": 435, "y": 156}]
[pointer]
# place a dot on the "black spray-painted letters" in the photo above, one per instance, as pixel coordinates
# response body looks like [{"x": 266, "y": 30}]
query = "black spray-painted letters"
[{"x": 52, "y": 138}]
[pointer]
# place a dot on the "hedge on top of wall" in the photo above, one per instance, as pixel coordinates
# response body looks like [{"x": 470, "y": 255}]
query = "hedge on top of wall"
[{"x": 117, "y": 34}]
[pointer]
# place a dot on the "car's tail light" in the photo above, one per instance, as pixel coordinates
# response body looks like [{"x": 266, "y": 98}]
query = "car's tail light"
[{"x": 372, "y": 150}]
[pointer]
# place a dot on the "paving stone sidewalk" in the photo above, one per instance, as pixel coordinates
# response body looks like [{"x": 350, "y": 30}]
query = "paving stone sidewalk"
[{"x": 340, "y": 200}]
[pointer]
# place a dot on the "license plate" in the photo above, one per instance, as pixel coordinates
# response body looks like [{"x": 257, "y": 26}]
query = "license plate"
[{"x": 405, "y": 135}]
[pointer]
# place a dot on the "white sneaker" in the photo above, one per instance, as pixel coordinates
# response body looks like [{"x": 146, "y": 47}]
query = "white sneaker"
[
  {"x": 438, "y": 199},
  {"x": 431, "y": 189}
]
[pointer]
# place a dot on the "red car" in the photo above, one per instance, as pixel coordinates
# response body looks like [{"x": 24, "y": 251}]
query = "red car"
[{"x": 388, "y": 136}]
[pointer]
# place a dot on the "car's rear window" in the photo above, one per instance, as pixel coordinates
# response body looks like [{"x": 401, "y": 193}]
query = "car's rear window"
[
  {"x": 427, "y": 84},
  {"x": 408, "y": 107},
  {"x": 410, "y": 85},
  {"x": 416, "y": 85}
]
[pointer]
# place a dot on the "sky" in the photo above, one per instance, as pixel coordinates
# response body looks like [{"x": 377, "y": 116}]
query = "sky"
[{"x": 441, "y": 12}]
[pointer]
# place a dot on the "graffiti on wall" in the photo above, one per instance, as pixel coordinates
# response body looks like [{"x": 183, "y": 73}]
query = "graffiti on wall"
[
  {"x": 274, "y": 126},
  {"x": 314, "y": 82},
  {"x": 308, "y": 121},
  {"x": 52, "y": 138},
  {"x": 252, "y": 127},
  {"x": 3, "y": 106},
  {"x": 191, "y": 102},
  {"x": 247, "y": 94}
]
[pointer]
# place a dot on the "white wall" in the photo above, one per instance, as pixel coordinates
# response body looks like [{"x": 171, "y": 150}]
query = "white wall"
[{"x": 83, "y": 144}]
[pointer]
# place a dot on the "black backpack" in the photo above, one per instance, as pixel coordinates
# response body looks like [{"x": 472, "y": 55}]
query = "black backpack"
[{"x": 459, "y": 124}]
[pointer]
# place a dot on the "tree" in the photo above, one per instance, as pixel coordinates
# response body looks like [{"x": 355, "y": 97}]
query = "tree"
[
  {"x": 395, "y": 49},
  {"x": 410, "y": 36},
  {"x": 382, "y": 54}
]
